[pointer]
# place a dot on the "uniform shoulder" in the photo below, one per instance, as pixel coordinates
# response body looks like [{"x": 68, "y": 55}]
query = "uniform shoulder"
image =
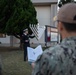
[
  {"x": 52, "y": 53},
  {"x": 56, "y": 50}
]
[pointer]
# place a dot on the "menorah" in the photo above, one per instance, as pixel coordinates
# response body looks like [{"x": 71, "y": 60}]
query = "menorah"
[{"x": 37, "y": 30}]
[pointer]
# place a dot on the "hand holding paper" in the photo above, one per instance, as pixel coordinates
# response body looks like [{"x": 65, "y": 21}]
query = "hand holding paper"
[{"x": 34, "y": 53}]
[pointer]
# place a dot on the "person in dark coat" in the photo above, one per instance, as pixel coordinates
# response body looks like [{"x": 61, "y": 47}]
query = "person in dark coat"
[{"x": 26, "y": 42}]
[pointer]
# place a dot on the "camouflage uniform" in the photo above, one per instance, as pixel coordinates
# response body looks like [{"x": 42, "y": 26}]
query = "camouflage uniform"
[{"x": 58, "y": 60}]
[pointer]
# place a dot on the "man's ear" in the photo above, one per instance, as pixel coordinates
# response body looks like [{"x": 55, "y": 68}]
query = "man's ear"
[{"x": 60, "y": 27}]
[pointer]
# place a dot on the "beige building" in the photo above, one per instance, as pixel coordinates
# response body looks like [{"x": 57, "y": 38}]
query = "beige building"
[{"x": 46, "y": 10}]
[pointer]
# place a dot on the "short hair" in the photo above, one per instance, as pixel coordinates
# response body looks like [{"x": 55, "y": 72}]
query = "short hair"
[{"x": 70, "y": 27}]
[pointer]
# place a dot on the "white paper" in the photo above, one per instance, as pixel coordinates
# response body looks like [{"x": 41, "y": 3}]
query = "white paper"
[
  {"x": 54, "y": 36},
  {"x": 34, "y": 53}
]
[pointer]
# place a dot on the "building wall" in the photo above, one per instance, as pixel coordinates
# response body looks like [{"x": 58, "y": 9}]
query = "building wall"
[
  {"x": 44, "y": 1},
  {"x": 45, "y": 14},
  {"x": 44, "y": 17},
  {"x": 16, "y": 40},
  {"x": 5, "y": 39}
]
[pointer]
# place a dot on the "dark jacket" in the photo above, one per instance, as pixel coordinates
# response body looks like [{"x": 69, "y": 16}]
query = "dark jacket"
[{"x": 25, "y": 39}]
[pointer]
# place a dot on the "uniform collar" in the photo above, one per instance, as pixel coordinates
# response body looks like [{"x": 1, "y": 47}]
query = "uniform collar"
[{"x": 69, "y": 40}]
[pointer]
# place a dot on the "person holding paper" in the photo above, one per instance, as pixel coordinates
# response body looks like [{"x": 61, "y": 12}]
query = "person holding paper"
[
  {"x": 61, "y": 59},
  {"x": 33, "y": 53},
  {"x": 26, "y": 42}
]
